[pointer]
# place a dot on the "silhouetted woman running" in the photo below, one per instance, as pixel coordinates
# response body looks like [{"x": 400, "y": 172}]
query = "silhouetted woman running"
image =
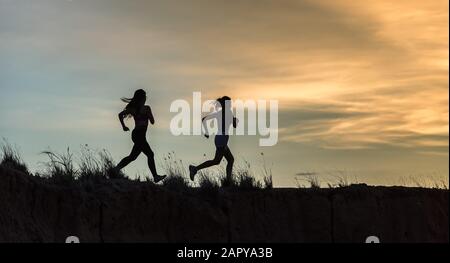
[
  {"x": 142, "y": 114},
  {"x": 225, "y": 119}
]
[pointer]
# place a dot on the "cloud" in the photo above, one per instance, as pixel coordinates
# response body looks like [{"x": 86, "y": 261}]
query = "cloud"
[
  {"x": 347, "y": 128},
  {"x": 348, "y": 74}
]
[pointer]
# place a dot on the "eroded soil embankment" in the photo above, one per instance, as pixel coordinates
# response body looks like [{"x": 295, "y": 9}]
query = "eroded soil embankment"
[{"x": 126, "y": 211}]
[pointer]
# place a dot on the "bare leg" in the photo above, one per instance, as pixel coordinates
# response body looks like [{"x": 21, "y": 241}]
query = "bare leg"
[
  {"x": 151, "y": 162},
  {"x": 217, "y": 158},
  {"x": 131, "y": 157},
  {"x": 230, "y": 161},
  {"x": 150, "y": 158}
]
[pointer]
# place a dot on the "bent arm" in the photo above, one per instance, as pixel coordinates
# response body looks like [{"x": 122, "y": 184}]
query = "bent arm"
[
  {"x": 206, "y": 118},
  {"x": 205, "y": 128},
  {"x": 122, "y": 115},
  {"x": 235, "y": 122},
  {"x": 150, "y": 115}
]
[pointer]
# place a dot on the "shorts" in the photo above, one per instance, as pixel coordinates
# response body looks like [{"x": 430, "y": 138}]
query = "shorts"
[{"x": 221, "y": 140}]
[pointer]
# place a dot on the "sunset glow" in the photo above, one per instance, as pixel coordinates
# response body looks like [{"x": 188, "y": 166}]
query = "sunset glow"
[{"x": 353, "y": 78}]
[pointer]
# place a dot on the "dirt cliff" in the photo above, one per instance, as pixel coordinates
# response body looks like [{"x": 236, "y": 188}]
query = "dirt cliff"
[{"x": 32, "y": 209}]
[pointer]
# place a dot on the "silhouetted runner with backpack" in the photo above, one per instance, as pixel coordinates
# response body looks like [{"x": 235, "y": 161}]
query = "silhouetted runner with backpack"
[
  {"x": 142, "y": 114},
  {"x": 224, "y": 119}
]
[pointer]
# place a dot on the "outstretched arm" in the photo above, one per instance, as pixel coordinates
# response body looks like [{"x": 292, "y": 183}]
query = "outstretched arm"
[
  {"x": 122, "y": 115},
  {"x": 150, "y": 115}
]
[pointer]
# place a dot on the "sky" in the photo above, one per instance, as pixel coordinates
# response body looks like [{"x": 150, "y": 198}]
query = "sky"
[{"x": 362, "y": 85}]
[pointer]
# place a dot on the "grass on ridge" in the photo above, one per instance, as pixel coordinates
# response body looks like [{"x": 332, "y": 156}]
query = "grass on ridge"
[
  {"x": 10, "y": 157},
  {"x": 91, "y": 167}
]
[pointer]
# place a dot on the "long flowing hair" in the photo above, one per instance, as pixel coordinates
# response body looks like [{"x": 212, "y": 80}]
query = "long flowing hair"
[{"x": 133, "y": 103}]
